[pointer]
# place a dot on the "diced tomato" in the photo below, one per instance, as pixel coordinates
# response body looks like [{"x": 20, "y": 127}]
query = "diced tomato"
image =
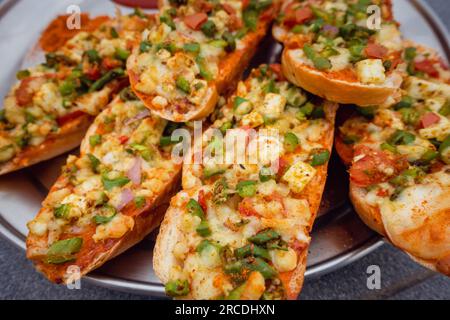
[
  {"x": 427, "y": 66},
  {"x": 345, "y": 151},
  {"x": 436, "y": 166},
  {"x": 69, "y": 117},
  {"x": 283, "y": 164},
  {"x": 302, "y": 15},
  {"x": 290, "y": 18},
  {"x": 93, "y": 72},
  {"x": 234, "y": 23},
  {"x": 123, "y": 139},
  {"x": 109, "y": 63},
  {"x": 246, "y": 208},
  {"x": 374, "y": 50},
  {"x": 428, "y": 119},
  {"x": 228, "y": 9},
  {"x": 27, "y": 88},
  {"x": 382, "y": 193},
  {"x": 202, "y": 201},
  {"x": 276, "y": 68},
  {"x": 375, "y": 166},
  {"x": 195, "y": 21}
]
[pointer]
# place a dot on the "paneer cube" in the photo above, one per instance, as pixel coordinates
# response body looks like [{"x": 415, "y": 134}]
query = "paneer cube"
[
  {"x": 422, "y": 89},
  {"x": 253, "y": 119},
  {"x": 436, "y": 131},
  {"x": 371, "y": 71},
  {"x": 273, "y": 105},
  {"x": 299, "y": 175}
]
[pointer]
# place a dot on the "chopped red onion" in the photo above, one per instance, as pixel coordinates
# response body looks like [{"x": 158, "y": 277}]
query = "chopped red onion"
[
  {"x": 139, "y": 116},
  {"x": 135, "y": 172},
  {"x": 125, "y": 198},
  {"x": 330, "y": 30}
]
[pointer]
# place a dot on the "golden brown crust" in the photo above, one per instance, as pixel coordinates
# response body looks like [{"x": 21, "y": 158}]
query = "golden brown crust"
[
  {"x": 57, "y": 34},
  {"x": 165, "y": 242},
  {"x": 369, "y": 215},
  {"x": 313, "y": 194},
  {"x": 145, "y": 221},
  {"x": 163, "y": 258},
  {"x": 330, "y": 89}
]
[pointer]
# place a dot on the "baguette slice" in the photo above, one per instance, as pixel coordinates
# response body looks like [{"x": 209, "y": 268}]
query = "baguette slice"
[
  {"x": 182, "y": 75},
  {"x": 400, "y": 187},
  {"x": 223, "y": 205},
  {"x": 108, "y": 198},
  {"x": 321, "y": 55},
  {"x": 49, "y": 110}
]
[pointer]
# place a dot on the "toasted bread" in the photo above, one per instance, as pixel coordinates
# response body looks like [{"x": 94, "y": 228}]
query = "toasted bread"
[
  {"x": 400, "y": 188},
  {"x": 48, "y": 111},
  {"x": 87, "y": 202},
  {"x": 215, "y": 75},
  {"x": 323, "y": 59},
  {"x": 215, "y": 188}
]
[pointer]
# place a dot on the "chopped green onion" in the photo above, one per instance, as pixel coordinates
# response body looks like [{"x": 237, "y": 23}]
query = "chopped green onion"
[
  {"x": 110, "y": 184},
  {"x": 264, "y": 236},
  {"x": 203, "y": 229},
  {"x": 209, "y": 29},
  {"x": 183, "y": 85},
  {"x": 388, "y": 147},
  {"x": 22, "y": 74},
  {"x": 122, "y": 54},
  {"x": 140, "y": 202},
  {"x": 193, "y": 47},
  {"x": 177, "y": 288},
  {"x": 246, "y": 188},
  {"x": 93, "y": 56},
  {"x": 95, "y": 139},
  {"x": 95, "y": 162},
  {"x": 194, "y": 208},
  {"x": 400, "y": 137},
  {"x": 320, "y": 158},
  {"x": 63, "y": 251},
  {"x": 62, "y": 211},
  {"x": 291, "y": 141}
]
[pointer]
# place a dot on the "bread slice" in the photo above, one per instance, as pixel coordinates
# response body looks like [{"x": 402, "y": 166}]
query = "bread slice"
[
  {"x": 88, "y": 201},
  {"x": 150, "y": 74},
  {"x": 279, "y": 204},
  {"x": 49, "y": 110},
  {"x": 423, "y": 232},
  {"x": 400, "y": 188}
]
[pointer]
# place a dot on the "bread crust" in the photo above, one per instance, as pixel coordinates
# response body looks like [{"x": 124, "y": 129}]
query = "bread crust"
[
  {"x": 336, "y": 90},
  {"x": 69, "y": 138},
  {"x": 432, "y": 231}
]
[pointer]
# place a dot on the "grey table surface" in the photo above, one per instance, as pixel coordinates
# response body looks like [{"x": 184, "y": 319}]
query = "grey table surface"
[{"x": 401, "y": 278}]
